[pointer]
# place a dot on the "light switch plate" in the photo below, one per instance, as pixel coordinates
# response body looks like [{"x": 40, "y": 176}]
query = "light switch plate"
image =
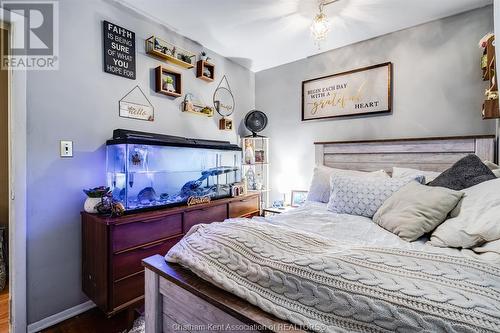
[{"x": 66, "y": 148}]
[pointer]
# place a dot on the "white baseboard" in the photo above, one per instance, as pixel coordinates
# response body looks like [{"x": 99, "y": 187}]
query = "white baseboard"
[{"x": 61, "y": 316}]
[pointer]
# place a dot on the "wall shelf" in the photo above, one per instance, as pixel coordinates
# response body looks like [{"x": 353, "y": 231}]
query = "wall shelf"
[
  {"x": 203, "y": 68},
  {"x": 173, "y": 89},
  {"x": 197, "y": 109},
  {"x": 164, "y": 50}
]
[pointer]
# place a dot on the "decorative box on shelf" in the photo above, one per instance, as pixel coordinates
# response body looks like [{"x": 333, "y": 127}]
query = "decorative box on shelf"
[
  {"x": 168, "y": 82},
  {"x": 255, "y": 166},
  {"x": 169, "y": 52},
  {"x": 205, "y": 70}
]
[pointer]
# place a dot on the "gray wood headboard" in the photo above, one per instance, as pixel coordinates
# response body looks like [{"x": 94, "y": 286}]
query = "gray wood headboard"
[{"x": 429, "y": 154}]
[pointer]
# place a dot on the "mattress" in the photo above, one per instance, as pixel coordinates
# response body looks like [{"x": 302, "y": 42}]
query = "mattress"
[
  {"x": 314, "y": 217},
  {"x": 339, "y": 273}
]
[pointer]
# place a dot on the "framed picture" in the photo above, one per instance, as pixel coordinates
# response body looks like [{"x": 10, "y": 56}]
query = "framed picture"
[
  {"x": 357, "y": 92},
  {"x": 259, "y": 156},
  {"x": 298, "y": 198}
]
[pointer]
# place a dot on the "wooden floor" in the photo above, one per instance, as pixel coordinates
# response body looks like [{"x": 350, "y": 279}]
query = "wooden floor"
[
  {"x": 92, "y": 321},
  {"x": 4, "y": 310}
]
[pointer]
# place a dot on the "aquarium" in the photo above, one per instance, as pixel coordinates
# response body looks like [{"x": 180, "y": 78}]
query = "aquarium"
[{"x": 146, "y": 170}]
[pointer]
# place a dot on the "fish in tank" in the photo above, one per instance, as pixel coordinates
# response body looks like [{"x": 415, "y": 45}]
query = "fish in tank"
[{"x": 146, "y": 170}]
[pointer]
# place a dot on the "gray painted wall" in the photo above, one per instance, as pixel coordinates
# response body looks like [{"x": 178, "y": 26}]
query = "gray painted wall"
[
  {"x": 438, "y": 91},
  {"x": 79, "y": 102}
]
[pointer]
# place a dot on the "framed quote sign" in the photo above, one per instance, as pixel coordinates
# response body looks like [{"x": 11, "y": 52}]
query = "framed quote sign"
[
  {"x": 119, "y": 50},
  {"x": 360, "y": 91}
]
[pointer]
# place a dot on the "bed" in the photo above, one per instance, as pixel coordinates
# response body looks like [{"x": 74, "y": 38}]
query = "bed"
[{"x": 380, "y": 282}]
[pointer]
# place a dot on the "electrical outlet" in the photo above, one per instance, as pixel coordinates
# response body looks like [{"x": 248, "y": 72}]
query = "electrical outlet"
[{"x": 66, "y": 148}]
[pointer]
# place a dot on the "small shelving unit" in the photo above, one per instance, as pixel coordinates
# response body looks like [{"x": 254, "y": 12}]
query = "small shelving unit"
[
  {"x": 256, "y": 162},
  {"x": 202, "y": 68},
  {"x": 162, "y": 87},
  {"x": 490, "y": 107},
  {"x": 167, "y": 51}
]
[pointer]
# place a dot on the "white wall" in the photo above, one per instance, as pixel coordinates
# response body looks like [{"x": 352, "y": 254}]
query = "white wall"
[
  {"x": 79, "y": 102},
  {"x": 438, "y": 91}
]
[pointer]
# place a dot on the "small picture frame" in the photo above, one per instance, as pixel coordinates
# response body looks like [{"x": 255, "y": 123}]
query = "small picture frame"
[
  {"x": 259, "y": 156},
  {"x": 298, "y": 198}
]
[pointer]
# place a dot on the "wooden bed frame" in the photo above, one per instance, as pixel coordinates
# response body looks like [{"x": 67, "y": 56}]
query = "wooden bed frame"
[{"x": 177, "y": 299}]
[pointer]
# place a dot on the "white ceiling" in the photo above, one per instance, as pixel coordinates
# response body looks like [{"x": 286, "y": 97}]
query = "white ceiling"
[{"x": 261, "y": 34}]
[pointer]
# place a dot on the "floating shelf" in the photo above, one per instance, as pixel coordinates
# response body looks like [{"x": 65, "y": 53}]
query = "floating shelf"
[
  {"x": 164, "y": 50},
  {"x": 197, "y": 109},
  {"x": 175, "y": 90},
  {"x": 202, "y": 67}
]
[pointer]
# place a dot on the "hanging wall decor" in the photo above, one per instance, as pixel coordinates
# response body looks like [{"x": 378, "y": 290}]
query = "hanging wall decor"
[
  {"x": 136, "y": 105},
  {"x": 224, "y": 104},
  {"x": 360, "y": 91},
  {"x": 119, "y": 50}
]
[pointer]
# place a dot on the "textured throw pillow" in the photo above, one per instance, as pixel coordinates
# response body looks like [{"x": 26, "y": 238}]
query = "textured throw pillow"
[
  {"x": 474, "y": 221},
  {"x": 320, "y": 186},
  {"x": 362, "y": 196},
  {"x": 416, "y": 209},
  {"x": 467, "y": 172},
  {"x": 407, "y": 172}
]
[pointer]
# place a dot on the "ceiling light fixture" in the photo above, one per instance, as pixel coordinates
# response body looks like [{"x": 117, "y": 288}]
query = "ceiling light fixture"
[{"x": 321, "y": 25}]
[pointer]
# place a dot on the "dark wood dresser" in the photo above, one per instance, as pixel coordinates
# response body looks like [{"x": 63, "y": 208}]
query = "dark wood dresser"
[{"x": 113, "y": 247}]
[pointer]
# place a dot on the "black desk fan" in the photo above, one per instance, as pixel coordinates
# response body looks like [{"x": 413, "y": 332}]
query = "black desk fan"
[{"x": 255, "y": 122}]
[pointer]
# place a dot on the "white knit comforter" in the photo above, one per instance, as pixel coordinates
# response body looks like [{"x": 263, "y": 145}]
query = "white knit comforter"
[{"x": 327, "y": 285}]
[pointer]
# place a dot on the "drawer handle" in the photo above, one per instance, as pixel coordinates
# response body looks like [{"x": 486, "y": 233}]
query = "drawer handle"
[{"x": 153, "y": 245}]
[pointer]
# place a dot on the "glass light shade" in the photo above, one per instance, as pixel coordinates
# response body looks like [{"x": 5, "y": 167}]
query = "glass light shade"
[{"x": 320, "y": 27}]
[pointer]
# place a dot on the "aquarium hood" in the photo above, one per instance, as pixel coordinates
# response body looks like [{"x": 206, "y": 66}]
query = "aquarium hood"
[{"x": 122, "y": 136}]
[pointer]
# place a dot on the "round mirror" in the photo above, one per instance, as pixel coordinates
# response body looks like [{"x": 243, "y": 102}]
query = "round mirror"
[{"x": 224, "y": 101}]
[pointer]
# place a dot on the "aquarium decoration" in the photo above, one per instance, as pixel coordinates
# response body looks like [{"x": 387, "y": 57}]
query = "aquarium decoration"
[
  {"x": 193, "y": 201},
  {"x": 146, "y": 170}
]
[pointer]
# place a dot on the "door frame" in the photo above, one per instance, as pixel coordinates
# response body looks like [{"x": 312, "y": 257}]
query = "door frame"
[{"x": 17, "y": 185}]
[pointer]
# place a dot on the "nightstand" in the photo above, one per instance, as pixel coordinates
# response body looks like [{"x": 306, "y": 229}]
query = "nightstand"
[{"x": 270, "y": 211}]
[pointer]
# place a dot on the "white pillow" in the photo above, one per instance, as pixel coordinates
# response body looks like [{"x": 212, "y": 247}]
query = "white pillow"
[
  {"x": 416, "y": 209},
  {"x": 320, "y": 184},
  {"x": 407, "y": 172},
  {"x": 493, "y": 167},
  {"x": 362, "y": 196},
  {"x": 474, "y": 221}
]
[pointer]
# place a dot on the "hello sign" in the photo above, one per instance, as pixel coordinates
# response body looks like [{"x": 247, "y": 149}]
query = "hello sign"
[{"x": 119, "y": 50}]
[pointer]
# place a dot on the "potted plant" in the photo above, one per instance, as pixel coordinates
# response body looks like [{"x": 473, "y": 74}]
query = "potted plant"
[
  {"x": 94, "y": 197},
  {"x": 203, "y": 56},
  {"x": 184, "y": 57},
  {"x": 168, "y": 84}
]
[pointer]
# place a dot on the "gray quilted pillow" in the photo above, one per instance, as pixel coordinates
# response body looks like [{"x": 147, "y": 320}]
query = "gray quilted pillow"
[{"x": 363, "y": 196}]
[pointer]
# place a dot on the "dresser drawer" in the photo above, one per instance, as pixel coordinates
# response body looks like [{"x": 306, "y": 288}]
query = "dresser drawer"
[
  {"x": 138, "y": 233},
  {"x": 129, "y": 262},
  {"x": 204, "y": 215},
  {"x": 128, "y": 289},
  {"x": 243, "y": 207}
]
